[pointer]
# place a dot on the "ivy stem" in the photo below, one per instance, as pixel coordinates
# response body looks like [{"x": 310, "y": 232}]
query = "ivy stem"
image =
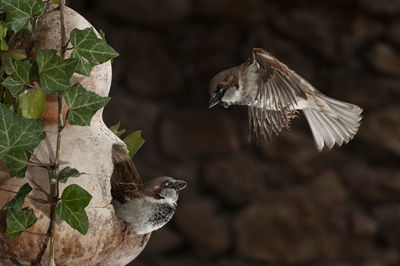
[
  {"x": 14, "y": 103},
  {"x": 37, "y": 161},
  {"x": 66, "y": 45},
  {"x": 38, "y": 187},
  {"x": 63, "y": 34},
  {"x": 54, "y": 188},
  {"x": 34, "y": 233},
  {"x": 30, "y": 85},
  {"x": 3, "y": 95},
  {"x": 29, "y": 197},
  {"x": 54, "y": 194},
  {"x": 47, "y": 12}
]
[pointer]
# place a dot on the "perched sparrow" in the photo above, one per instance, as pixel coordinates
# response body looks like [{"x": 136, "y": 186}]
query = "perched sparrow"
[
  {"x": 274, "y": 93},
  {"x": 145, "y": 206}
]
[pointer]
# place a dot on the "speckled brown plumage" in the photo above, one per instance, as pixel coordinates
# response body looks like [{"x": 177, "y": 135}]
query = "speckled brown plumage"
[{"x": 125, "y": 180}]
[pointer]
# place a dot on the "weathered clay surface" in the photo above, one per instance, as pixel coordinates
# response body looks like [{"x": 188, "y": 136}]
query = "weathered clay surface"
[{"x": 88, "y": 149}]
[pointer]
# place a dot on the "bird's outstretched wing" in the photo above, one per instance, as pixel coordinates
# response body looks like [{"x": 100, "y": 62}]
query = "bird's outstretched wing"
[
  {"x": 125, "y": 179},
  {"x": 278, "y": 91}
]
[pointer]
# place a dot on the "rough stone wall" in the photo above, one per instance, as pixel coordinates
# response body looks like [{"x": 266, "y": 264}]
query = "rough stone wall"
[{"x": 278, "y": 204}]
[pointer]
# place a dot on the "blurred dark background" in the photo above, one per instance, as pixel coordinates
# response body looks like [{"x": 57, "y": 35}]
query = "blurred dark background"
[{"x": 278, "y": 204}]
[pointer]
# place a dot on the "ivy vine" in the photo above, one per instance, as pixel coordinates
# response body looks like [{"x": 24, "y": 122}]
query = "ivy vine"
[{"x": 27, "y": 76}]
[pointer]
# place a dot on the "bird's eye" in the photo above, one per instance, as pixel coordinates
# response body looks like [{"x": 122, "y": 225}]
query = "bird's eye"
[
  {"x": 167, "y": 184},
  {"x": 220, "y": 90}
]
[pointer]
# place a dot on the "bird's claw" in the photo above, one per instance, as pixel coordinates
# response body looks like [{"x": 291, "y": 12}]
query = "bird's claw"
[{"x": 291, "y": 114}]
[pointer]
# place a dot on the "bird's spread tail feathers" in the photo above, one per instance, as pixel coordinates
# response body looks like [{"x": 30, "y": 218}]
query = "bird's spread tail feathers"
[{"x": 337, "y": 125}]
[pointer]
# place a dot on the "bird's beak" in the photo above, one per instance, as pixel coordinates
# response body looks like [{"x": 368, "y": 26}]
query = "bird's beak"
[
  {"x": 216, "y": 99},
  {"x": 179, "y": 185}
]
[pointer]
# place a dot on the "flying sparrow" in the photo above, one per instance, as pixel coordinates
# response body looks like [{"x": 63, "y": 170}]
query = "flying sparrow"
[
  {"x": 274, "y": 94},
  {"x": 145, "y": 206}
]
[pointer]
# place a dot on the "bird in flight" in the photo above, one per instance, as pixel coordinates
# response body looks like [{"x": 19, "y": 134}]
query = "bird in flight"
[{"x": 274, "y": 93}]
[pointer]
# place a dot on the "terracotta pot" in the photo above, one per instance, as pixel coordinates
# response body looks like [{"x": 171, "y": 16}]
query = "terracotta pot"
[
  {"x": 50, "y": 115},
  {"x": 88, "y": 149}
]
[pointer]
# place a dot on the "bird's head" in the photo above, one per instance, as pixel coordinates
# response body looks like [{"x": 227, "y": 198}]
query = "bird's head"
[
  {"x": 223, "y": 88},
  {"x": 164, "y": 188}
]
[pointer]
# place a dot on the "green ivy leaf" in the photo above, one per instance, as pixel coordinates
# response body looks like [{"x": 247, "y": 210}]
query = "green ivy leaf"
[
  {"x": 55, "y": 72},
  {"x": 17, "y": 136},
  {"x": 71, "y": 209},
  {"x": 7, "y": 99},
  {"x": 67, "y": 172},
  {"x": 31, "y": 104},
  {"x": 18, "y": 12},
  {"x": 21, "y": 70},
  {"x": 88, "y": 45},
  {"x": 89, "y": 50},
  {"x": 115, "y": 129},
  {"x": 83, "y": 104},
  {"x": 17, "y": 202},
  {"x": 17, "y": 162},
  {"x": 120, "y": 132},
  {"x": 17, "y": 54},
  {"x": 20, "y": 73},
  {"x": 75, "y": 197},
  {"x": 17, "y": 133},
  {"x": 102, "y": 34},
  {"x": 134, "y": 141},
  {"x": 15, "y": 87},
  {"x": 83, "y": 66},
  {"x": 77, "y": 219},
  {"x": 3, "y": 34},
  {"x": 18, "y": 221}
]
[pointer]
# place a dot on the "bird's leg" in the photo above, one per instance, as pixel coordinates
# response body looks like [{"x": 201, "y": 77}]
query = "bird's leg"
[{"x": 289, "y": 115}]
